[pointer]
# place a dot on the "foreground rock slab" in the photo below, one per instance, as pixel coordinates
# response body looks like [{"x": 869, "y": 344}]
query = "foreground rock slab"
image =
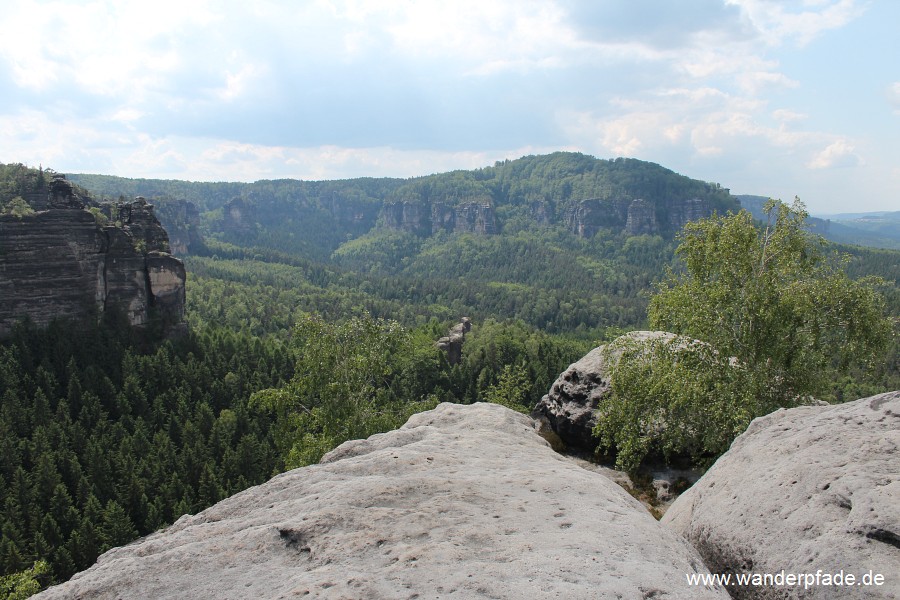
[
  {"x": 461, "y": 502},
  {"x": 810, "y": 489}
]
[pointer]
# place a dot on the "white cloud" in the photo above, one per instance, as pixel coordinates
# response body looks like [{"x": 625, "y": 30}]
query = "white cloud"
[
  {"x": 103, "y": 46},
  {"x": 893, "y": 94},
  {"x": 784, "y": 115},
  {"x": 779, "y": 21},
  {"x": 838, "y": 154},
  {"x": 701, "y": 122},
  {"x": 340, "y": 88}
]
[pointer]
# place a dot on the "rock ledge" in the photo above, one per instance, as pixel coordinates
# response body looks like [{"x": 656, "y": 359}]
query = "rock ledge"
[{"x": 462, "y": 501}]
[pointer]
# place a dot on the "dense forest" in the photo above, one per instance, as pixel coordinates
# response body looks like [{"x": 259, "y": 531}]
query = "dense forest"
[{"x": 297, "y": 292}]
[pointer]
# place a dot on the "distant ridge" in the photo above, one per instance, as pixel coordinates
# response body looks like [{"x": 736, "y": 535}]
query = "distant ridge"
[{"x": 874, "y": 229}]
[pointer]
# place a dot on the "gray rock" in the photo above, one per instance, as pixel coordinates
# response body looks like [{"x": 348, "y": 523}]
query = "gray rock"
[
  {"x": 452, "y": 343},
  {"x": 59, "y": 263},
  {"x": 810, "y": 488},
  {"x": 462, "y": 501},
  {"x": 570, "y": 405}
]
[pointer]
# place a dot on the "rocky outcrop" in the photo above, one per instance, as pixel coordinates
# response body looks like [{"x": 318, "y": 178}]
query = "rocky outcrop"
[
  {"x": 681, "y": 212},
  {"x": 423, "y": 219},
  {"x": 462, "y": 501},
  {"x": 58, "y": 193},
  {"x": 813, "y": 489},
  {"x": 61, "y": 263},
  {"x": 413, "y": 217},
  {"x": 541, "y": 212},
  {"x": 138, "y": 220},
  {"x": 474, "y": 217},
  {"x": 641, "y": 218},
  {"x": 239, "y": 218},
  {"x": 181, "y": 220},
  {"x": 585, "y": 218},
  {"x": 453, "y": 342},
  {"x": 570, "y": 405}
]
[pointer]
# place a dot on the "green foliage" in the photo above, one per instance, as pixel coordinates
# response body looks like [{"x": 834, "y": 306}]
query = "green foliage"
[
  {"x": 512, "y": 388},
  {"x": 497, "y": 346},
  {"x": 102, "y": 219},
  {"x": 17, "y": 207},
  {"x": 781, "y": 320},
  {"x": 345, "y": 386},
  {"x": 776, "y": 301},
  {"x": 17, "y": 179},
  {"x": 671, "y": 397},
  {"x": 378, "y": 252},
  {"x": 104, "y": 436},
  {"x": 24, "y": 584}
]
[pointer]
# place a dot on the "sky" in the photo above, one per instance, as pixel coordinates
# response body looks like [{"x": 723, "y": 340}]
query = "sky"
[{"x": 775, "y": 98}]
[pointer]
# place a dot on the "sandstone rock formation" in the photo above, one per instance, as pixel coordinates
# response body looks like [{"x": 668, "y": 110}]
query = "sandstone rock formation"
[
  {"x": 586, "y": 217},
  {"x": 413, "y": 217},
  {"x": 639, "y": 216},
  {"x": 60, "y": 263},
  {"x": 803, "y": 490},
  {"x": 239, "y": 218},
  {"x": 452, "y": 343},
  {"x": 462, "y": 501},
  {"x": 181, "y": 220},
  {"x": 570, "y": 404},
  {"x": 680, "y": 212},
  {"x": 475, "y": 217},
  {"x": 425, "y": 219}
]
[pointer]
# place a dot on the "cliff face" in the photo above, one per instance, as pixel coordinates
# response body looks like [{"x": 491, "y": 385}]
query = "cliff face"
[
  {"x": 239, "y": 217},
  {"x": 407, "y": 216},
  {"x": 423, "y": 219},
  {"x": 680, "y": 212},
  {"x": 585, "y": 217},
  {"x": 60, "y": 263},
  {"x": 181, "y": 220}
]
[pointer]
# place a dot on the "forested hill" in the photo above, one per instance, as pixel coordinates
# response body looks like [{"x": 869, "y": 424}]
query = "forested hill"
[
  {"x": 876, "y": 230},
  {"x": 324, "y": 287},
  {"x": 572, "y": 191}
]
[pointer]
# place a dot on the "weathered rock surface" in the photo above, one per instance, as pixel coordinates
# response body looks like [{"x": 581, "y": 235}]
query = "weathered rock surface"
[
  {"x": 639, "y": 216},
  {"x": 453, "y": 342},
  {"x": 586, "y": 217},
  {"x": 60, "y": 263},
  {"x": 806, "y": 489},
  {"x": 570, "y": 405},
  {"x": 462, "y": 501},
  {"x": 239, "y": 218},
  {"x": 181, "y": 220},
  {"x": 423, "y": 219},
  {"x": 413, "y": 217}
]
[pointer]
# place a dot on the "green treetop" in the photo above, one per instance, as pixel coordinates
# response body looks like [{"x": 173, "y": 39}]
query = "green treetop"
[{"x": 781, "y": 319}]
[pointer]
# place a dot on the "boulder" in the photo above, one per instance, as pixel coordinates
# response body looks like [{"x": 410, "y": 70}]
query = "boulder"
[
  {"x": 814, "y": 489},
  {"x": 462, "y": 501},
  {"x": 569, "y": 407}
]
